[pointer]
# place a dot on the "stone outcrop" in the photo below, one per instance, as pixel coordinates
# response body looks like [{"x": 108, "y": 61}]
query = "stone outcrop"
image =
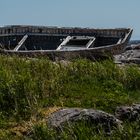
[
  {"x": 71, "y": 115},
  {"x": 130, "y": 113},
  {"x": 130, "y": 55},
  {"x": 68, "y": 116}
]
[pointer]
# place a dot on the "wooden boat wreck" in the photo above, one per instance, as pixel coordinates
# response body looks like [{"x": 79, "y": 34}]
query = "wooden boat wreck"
[{"x": 62, "y": 43}]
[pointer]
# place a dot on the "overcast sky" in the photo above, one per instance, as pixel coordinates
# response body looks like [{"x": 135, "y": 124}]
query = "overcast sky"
[{"x": 79, "y": 13}]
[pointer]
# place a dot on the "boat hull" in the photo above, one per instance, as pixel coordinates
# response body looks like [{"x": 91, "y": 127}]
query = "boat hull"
[{"x": 97, "y": 52}]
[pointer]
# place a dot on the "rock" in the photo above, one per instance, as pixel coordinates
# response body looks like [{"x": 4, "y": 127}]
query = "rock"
[
  {"x": 129, "y": 48},
  {"x": 136, "y": 47},
  {"x": 63, "y": 115},
  {"x": 133, "y": 60},
  {"x": 124, "y": 113},
  {"x": 129, "y": 56},
  {"x": 72, "y": 115},
  {"x": 133, "y": 47},
  {"x": 131, "y": 113}
]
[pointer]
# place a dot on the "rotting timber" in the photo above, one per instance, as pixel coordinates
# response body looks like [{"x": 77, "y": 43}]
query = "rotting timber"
[{"x": 62, "y": 43}]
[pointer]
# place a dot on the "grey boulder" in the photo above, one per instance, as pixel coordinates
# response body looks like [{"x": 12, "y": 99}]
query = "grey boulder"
[
  {"x": 93, "y": 117},
  {"x": 131, "y": 113}
]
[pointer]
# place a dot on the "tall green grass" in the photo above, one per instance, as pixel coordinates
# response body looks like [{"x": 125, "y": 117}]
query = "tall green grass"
[
  {"x": 84, "y": 131},
  {"x": 27, "y": 85}
]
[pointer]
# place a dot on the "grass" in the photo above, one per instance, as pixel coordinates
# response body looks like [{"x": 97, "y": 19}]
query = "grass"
[
  {"x": 29, "y": 85},
  {"x": 82, "y": 131}
]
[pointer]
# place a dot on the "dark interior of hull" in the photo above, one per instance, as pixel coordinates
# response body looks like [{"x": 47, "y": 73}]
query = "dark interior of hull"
[
  {"x": 9, "y": 42},
  {"x": 104, "y": 41},
  {"x": 42, "y": 42},
  {"x": 80, "y": 42}
]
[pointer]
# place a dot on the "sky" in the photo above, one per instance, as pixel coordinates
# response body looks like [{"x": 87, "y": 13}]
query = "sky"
[{"x": 72, "y": 13}]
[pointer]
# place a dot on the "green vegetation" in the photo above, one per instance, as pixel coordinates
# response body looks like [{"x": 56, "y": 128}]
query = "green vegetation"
[{"x": 30, "y": 85}]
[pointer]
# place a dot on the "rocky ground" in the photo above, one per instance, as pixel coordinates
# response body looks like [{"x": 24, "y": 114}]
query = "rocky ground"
[
  {"x": 130, "y": 55},
  {"x": 66, "y": 116}
]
